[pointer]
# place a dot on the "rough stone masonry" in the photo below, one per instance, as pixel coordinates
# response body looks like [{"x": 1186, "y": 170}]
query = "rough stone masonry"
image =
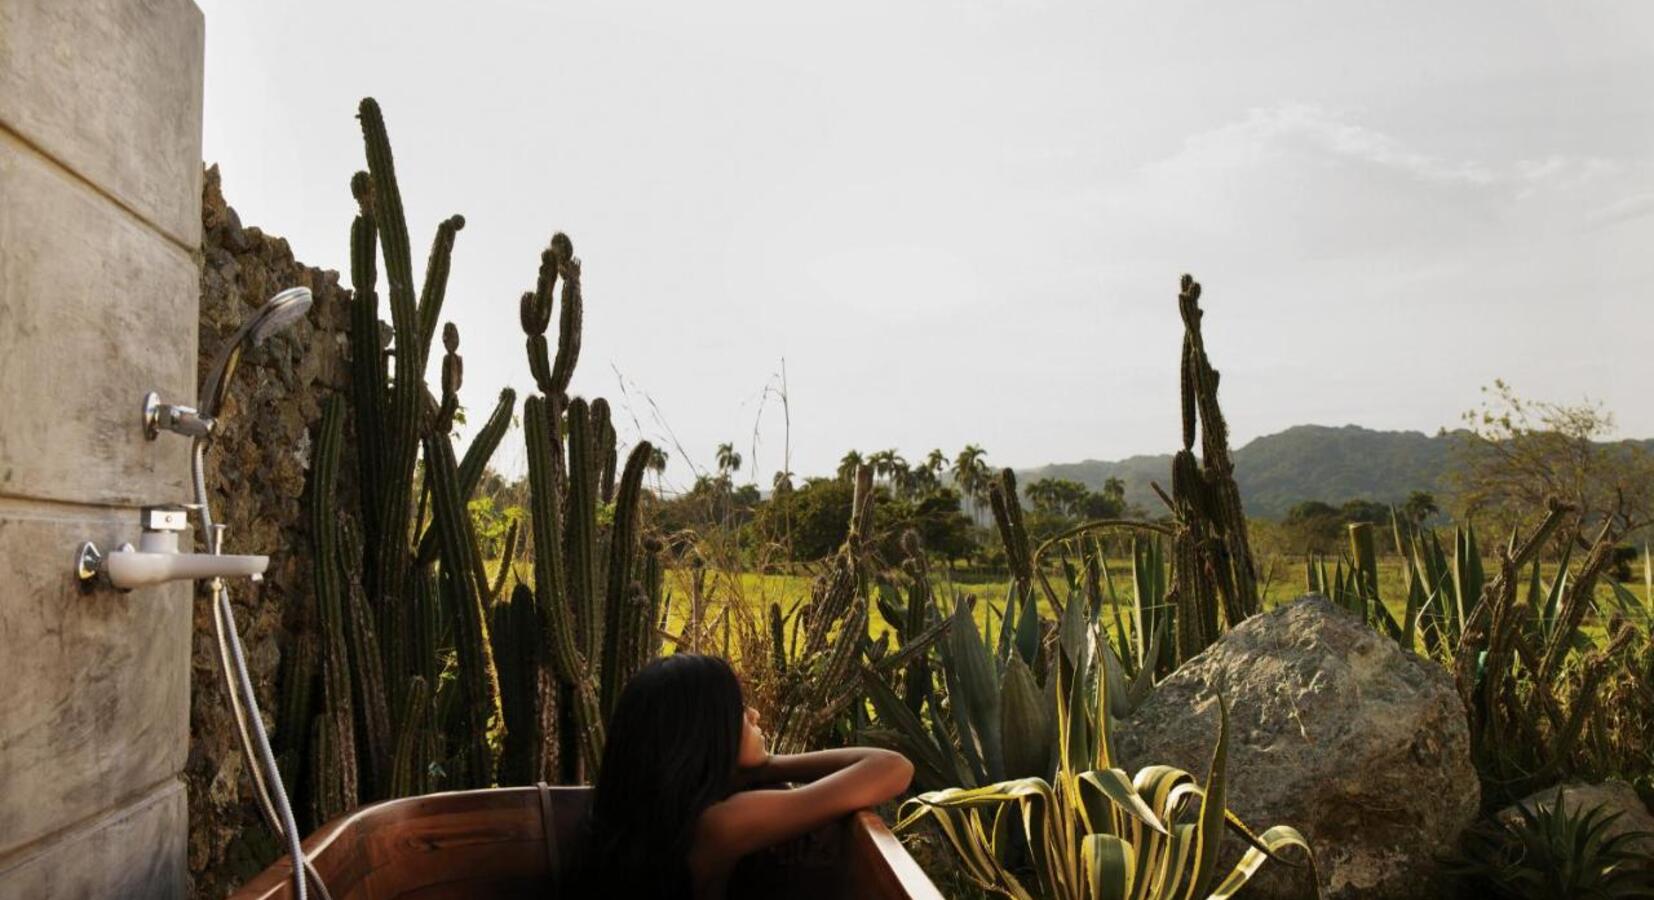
[{"x": 256, "y": 474}]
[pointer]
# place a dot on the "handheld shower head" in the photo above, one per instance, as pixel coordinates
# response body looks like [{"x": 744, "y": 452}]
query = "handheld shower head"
[{"x": 282, "y": 310}]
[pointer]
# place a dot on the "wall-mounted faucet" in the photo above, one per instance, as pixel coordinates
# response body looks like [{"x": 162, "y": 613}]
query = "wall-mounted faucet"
[{"x": 156, "y": 559}]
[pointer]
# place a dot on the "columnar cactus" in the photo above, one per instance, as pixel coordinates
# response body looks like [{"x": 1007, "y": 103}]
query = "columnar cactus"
[
  {"x": 467, "y": 588},
  {"x": 1212, "y": 555},
  {"x": 596, "y": 630},
  {"x": 337, "y": 735},
  {"x": 515, "y": 632},
  {"x": 1231, "y": 556}
]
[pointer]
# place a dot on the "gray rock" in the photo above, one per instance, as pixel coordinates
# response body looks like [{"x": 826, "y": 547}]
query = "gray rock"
[
  {"x": 1335, "y": 731},
  {"x": 1616, "y": 795}
]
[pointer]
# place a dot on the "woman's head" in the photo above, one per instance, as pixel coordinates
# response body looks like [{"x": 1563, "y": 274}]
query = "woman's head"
[{"x": 678, "y": 735}]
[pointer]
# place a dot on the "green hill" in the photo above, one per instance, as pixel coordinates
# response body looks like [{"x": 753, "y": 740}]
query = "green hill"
[{"x": 1305, "y": 462}]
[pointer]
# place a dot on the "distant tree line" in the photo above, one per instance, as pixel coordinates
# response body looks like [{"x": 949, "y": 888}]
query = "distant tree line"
[{"x": 1516, "y": 454}]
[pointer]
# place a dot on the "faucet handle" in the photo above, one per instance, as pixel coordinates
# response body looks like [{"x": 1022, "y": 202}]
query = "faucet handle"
[{"x": 168, "y": 517}]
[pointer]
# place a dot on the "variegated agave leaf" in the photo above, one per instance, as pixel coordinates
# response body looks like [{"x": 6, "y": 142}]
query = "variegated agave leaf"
[{"x": 1101, "y": 833}]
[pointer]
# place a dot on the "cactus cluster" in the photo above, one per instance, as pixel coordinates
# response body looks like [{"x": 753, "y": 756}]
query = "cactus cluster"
[
  {"x": 818, "y": 663},
  {"x": 393, "y": 687}
]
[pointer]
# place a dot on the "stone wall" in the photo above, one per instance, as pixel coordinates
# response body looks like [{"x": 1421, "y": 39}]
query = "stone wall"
[
  {"x": 100, "y": 148},
  {"x": 257, "y": 474}
]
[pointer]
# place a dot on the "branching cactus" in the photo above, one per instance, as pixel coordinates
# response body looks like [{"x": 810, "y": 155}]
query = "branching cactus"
[{"x": 596, "y": 599}]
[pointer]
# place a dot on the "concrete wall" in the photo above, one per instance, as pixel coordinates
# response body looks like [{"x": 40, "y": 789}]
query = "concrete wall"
[{"x": 100, "y": 149}]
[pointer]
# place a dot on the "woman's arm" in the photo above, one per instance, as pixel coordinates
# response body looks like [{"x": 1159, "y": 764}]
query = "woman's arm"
[
  {"x": 841, "y": 782},
  {"x": 802, "y": 766}
]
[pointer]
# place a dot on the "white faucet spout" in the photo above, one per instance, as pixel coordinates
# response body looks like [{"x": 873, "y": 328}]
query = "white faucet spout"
[{"x": 128, "y": 569}]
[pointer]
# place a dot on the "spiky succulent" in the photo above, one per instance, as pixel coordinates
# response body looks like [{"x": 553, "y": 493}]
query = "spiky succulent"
[{"x": 1549, "y": 852}]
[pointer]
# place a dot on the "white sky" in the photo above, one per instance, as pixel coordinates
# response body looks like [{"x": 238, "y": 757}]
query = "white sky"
[{"x": 965, "y": 222}]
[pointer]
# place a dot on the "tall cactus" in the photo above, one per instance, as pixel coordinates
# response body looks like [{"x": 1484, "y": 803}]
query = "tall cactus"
[
  {"x": 620, "y": 604},
  {"x": 820, "y": 681},
  {"x": 367, "y": 671},
  {"x": 515, "y": 631},
  {"x": 466, "y": 583},
  {"x": 400, "y": 425},
  {"x": 1213, "y": 565},
  {"x": 1231, "y": 557},
  {"x": 597, "y": 629},
  {"x": 337, "y": 735}
]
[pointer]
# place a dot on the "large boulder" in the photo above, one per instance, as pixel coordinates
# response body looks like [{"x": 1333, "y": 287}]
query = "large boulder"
[
  {"x": 1614, "y": 795},
  {"x": 1335, "y": 731}
]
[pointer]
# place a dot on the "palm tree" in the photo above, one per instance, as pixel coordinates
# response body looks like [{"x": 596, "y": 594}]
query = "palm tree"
[
  {"x": 886, "y": 464},
  {"x": 657, "y": 465},
  {"x": 1114, "y": 486},
  {"x": 901, "y": 477},
  {"x": 1041, "y": 494},
  {"x": 848, "y": 465},
  {"x": 970, "y": 474},
  {"x": 922, "y": 480},
  {"x": 729, "y": 461},
  {"x": 936, "y": 461},
  {"x": 782, "y": 483},
  {"x": 926, "y": 477}
]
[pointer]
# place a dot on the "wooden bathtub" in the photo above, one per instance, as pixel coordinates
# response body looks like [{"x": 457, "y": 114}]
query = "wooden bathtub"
[{"x": 519, "y": 842}]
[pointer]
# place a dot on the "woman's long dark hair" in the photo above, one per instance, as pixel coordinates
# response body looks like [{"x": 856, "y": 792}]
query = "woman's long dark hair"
[{"x": 670, "y": 751}]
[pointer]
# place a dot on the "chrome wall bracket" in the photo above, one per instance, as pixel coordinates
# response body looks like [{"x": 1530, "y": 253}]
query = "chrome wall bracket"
[{"x": 185, "y": 420}]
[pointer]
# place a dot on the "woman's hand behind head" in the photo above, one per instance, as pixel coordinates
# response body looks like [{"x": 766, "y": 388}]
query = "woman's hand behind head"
[{"x": 753, "y": 753}]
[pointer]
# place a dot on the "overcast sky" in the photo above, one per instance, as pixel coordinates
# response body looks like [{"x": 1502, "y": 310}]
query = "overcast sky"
[{"x": 965, "y": 222}]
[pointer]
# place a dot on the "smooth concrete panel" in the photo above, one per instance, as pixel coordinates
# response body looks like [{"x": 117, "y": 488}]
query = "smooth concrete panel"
[
  {"x": 95, "y": 309},
  {"x": 112, "y": 89},
  {"x": 136, "y": 852},
  {"x": 96, "y": 705}
]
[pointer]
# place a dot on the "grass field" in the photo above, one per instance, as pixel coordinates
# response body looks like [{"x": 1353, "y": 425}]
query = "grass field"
[{"x": 1284, "y": 580}]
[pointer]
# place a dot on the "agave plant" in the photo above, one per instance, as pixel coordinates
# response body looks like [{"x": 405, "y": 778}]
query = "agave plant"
[
  {"x": 995, "y": 724},
  {"x": 997, "y": 721},
  {"x": 1138, "y": 626},
  {"x": 1548, "y": 851},
  {"x": 1100, "y": 833}
]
